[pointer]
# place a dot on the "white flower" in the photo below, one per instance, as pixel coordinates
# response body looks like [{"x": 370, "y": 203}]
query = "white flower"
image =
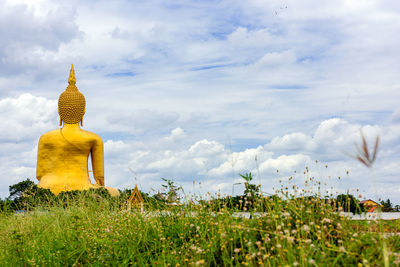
[
  {"x": 326, "y": 220},
  {"x": 200, "y": 262},
  {"x": 306, "y": 228},
  {"x": 290, "y": 239}
]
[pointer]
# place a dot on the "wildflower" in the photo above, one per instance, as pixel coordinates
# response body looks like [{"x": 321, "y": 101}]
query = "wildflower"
[
  {"x": 326, "y": 220},
  {"x": 200, "y": 262},
  {"x": 290, "y": 239},
  {"x": 311, "y": 261},
  {"x": 236, "y": 250},
  {"x": 306, "y": 228},
  {"x": 295, "y": 263}
]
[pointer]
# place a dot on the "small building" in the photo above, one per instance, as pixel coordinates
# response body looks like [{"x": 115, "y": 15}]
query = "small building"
[
  {"x": 136, "y": 199},
  {"x": 370, "y": 205}
]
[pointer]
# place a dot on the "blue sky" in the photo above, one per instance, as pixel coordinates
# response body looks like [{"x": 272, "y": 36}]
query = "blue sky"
[{"x": 196, "y": 90}]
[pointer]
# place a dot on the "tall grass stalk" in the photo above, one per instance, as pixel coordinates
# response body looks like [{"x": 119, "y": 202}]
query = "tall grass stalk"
[{"x": 93, "y": 230}]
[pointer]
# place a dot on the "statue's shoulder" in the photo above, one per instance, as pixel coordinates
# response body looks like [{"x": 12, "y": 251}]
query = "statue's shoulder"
[
  {"x": 92, "y": 135},
  {"x": 50, "y": 134}
]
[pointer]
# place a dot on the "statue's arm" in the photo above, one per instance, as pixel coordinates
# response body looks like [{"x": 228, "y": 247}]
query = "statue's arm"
[
  {"x": 40, "y": 168},
  {"x": 98, "y": 161}
]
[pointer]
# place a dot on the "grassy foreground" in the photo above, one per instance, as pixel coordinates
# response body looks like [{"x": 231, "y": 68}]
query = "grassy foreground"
[{"x": 96, "y": 231}]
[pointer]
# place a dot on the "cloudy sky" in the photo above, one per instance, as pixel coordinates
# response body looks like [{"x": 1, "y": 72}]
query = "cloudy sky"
[{"x": 199, "y": 91}]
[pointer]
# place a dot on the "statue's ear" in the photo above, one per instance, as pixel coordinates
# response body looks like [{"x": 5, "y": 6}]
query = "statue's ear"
[
  {"x": 84, "y": 111},
  {"x": 60, "y": 121}
]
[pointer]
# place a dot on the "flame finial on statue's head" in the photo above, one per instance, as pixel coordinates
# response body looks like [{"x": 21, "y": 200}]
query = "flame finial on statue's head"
[
  {"x": 71, "y": 103},
  {"x": 72, "y": 79}
]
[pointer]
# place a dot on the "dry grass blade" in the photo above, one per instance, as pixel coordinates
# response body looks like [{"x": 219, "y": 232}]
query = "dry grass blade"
[
  {"x": 365, "y": 147},
  {"x": 363, "y": 161},
  {"x": 375, "y": 148},
  {"x": 363, "y": 154}
]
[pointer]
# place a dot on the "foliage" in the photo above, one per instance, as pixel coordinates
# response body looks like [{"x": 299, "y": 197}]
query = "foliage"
[
  {"x": 348, "y": 203},
  {"x": 26, "y": 195},
  {"x": 170, "y": 192},
  {"x": 18, "y": 189},
  {"x": 387, "y": 206},
  {"x": 251, "y": 190},
  {"x": 91, "y": 228}
]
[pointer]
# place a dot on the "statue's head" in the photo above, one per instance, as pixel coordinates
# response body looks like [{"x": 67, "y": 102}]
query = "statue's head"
[{"x": 71, "y": 103}]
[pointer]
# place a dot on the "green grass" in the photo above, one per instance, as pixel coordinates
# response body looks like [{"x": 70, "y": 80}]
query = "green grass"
[{"x": 96, "y": 231}]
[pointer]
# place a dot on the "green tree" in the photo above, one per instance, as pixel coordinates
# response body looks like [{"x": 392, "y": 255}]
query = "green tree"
[
  {"x": 251, "y": 190},
  {"x": 387, "y": 206},
  {"x": 348, "y": 203},
  {"x": 17, "y": 190},
  {"x": 171, "y": 194}
]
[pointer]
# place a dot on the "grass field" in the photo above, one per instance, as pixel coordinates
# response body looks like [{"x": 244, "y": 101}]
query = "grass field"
[{"x": 96, "y": 231}]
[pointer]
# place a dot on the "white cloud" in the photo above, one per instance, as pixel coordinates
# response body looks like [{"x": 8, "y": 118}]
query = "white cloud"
[
  {"x": 25, "y": 117},
  {"x": 275, "y": 59},
  {"x": 32, "y": 38},
  {"x": 293, "y": 141},
  {"x": 285, "y": 163}
]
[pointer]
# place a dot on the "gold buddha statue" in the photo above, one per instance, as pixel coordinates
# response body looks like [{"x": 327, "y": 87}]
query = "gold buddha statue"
[{"x": 62, "y": 162}]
